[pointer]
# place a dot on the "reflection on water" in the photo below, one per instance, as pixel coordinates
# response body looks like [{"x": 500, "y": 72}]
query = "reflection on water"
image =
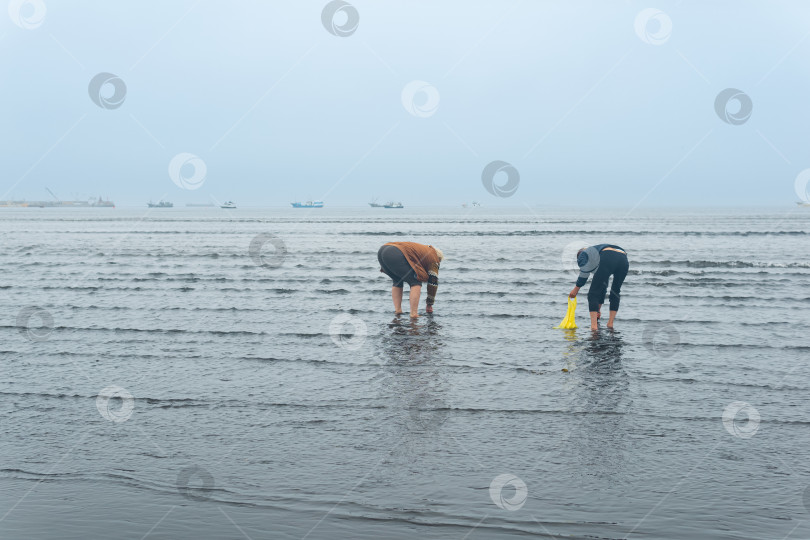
[
  {"x": 411, "y": 391},
  {"x": 603, "y": 380},
  {"x": 599, "y": 351},
  {"x": 414, "y": 384},
  {"x": 598, "y": 386},
  {"x": 605, "y": 348},
  {"x": 572, "y": 349},
  {"x": 426, "y": 325}
]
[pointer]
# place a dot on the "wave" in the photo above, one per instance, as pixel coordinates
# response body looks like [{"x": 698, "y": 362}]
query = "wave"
[
  {"x": 122, "y": 330},
  {"x": 728, "y": 264},
  {"x": 586, "y": 233}
]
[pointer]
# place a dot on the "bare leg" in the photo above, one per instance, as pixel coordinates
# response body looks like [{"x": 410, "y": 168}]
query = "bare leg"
[
  {"x": 396, "y": 295},
  {"x": 413, "y": 298},
  {"x": 611, "y": 318},
  {"x": 594, "y": 319},
  {"x": 599, "y": 313}
]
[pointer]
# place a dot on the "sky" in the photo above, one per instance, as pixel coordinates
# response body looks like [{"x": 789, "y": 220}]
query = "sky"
[{"x": 591, "y": 103}]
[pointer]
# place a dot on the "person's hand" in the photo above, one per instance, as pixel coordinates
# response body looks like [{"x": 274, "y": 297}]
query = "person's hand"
[
  {"x": 573, "y": 293},
  {"x": 429, "y": 309}
]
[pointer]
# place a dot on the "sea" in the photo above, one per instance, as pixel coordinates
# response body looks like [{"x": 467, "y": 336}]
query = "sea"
[{"x": 240, "y": 373}]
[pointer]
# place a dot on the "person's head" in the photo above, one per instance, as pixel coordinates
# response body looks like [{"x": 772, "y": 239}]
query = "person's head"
[
  {"x": 439, "y": 253},
  {"x": 588, "y": 259}
]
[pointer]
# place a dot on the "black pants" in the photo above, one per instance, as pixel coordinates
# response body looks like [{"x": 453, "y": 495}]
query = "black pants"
[
  {"x": 610, "y": 263},
  {"x": 394, "y": 263}
]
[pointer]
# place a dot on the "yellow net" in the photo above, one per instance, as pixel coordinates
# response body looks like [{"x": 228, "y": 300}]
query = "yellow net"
[{"x": 569, "y": 320}]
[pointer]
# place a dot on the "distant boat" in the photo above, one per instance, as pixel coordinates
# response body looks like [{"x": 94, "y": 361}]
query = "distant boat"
[
  {"x": 103, "y": 204},
  {"x": 375, "y": 204},
  {"x": 91, "y": 203},
  {"x": 308, "y": 204},
  {"x": 228, "y": 204},
  {"x": 161, "y": 204},
  {"x": 393, "y": 205},
  {"x": 802, "y": 203}
]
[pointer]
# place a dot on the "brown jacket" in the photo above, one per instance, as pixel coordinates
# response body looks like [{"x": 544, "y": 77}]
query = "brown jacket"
[{"x": 425, "y": 264}]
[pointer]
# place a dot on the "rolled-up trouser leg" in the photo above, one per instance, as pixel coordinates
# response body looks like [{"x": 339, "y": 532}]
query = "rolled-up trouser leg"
[
  {"x": 619, "y": 273},
  {"x": 598, "y": 290}
]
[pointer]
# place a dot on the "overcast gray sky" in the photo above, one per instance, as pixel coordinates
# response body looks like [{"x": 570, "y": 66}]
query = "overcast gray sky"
[{"x": 590, "y": 102}]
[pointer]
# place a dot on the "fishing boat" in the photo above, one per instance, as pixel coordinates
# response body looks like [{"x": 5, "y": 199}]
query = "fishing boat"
[
  {"x": 803, "y": 203},
  {"x": 308, "y": 204},
  {"x": 228, "y": 204},
  {"x": 393, "y": 205},
  {"x": 160, "y": 204}
]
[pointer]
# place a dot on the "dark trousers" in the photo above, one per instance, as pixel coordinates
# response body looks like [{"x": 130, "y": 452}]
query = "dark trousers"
[
  {"x": 610, "y": 263},
  {"x": 394, "y": 263}
]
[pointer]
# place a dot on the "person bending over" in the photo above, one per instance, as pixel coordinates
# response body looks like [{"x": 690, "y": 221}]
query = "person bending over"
[
  {"x": 414, "y": 264},
  {"x": 605, "y": 260}
]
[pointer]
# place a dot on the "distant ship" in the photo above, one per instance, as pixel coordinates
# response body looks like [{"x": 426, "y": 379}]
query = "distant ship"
[
  {"x": 308, "y": 204},
  {"x": 91, "y": 203},
  {"x": 161, "y": 204},
  {"x": 375, "y": 204},
  {"x": 228, "y": 204},
  {"x": 802, "y": 203},
  {"x": 393, "y": 205},
  {"x": 104, "y": 204}
]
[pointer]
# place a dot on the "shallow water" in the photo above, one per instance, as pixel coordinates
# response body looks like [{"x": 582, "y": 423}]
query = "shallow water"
[{"x": 279, "y": 397}]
